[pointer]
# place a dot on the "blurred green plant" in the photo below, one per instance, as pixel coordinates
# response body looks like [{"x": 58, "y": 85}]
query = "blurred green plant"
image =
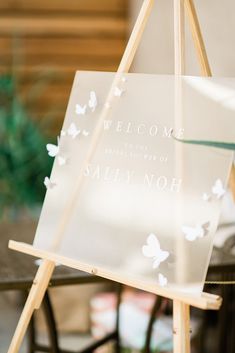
[{"x": 23, "y": 158}]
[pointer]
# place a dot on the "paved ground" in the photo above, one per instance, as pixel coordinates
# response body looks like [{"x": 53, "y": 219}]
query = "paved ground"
[{"x": 9, "y": 315}]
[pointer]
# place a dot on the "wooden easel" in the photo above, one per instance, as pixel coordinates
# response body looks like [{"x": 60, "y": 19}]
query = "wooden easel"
[{"x": 181, "y": 303}]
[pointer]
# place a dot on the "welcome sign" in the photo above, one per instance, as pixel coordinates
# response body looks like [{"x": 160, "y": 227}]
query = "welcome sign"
[{"x": 123, "y": 195}]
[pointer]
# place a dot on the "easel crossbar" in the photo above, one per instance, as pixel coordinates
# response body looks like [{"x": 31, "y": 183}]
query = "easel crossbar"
[{"x": 206, "y": 301}]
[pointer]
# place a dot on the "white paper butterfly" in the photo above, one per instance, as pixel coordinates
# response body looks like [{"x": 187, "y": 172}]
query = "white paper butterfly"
[
  {"x": 153, "y": 250},
  {"x": 218, "y": 189},
  {"x": 107, "y": 105},
  {"x": 48, "y": 183},
  {"x": 162, "y": 280},
  {"x": 52, "y": 149},
  {"x": 92, "y": 101},
  {"x": 192, "y": 233},
  {"x": 118, "y": 92},
  {"x": 73, "y": 131},
  {"x": 206, "y": 197},
  {"x": 80, "y": 110},
  {"x": 38, "y": 262},
  {"x": 85, "y": 133},
  {"x": 62, "y": 160}
]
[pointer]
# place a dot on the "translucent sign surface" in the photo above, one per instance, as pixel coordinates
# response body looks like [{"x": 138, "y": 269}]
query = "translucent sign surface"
[{"x": 126, "y": 197}]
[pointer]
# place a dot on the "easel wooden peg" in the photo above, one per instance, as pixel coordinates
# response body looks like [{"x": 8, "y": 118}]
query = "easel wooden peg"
[{"x": 181, "y": 303}]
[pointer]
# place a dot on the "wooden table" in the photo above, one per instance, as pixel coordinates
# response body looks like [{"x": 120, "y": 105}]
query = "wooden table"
[{"x": 17, "y": 272}]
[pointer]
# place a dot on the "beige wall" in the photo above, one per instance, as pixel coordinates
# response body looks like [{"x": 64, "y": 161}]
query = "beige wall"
[{"x": 217, "y": 19}]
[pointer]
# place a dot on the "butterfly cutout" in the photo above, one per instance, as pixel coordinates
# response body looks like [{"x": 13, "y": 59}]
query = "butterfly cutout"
[
  {"x": 92, "y": 101},
  {"x": 118, "y": 92},
  {"x": 153, "y": 250},
  {"x": 162, "y": 280},
  {"x": 62, "y": 160},
  {"x": 107, "y": 105},
  {"x": 52, "y": 149},
  {"x": 85, "y": 133},
  {"x": 73, "y": 131},
  {"x": 218, "y": 189},
  {"x": 80, "y": 110},
  {"x": 48, "y": 183},
  {"x": 206, "y": 197},
  {"x": 192, "y": 233},
  {"x": 38, "y": 262}
]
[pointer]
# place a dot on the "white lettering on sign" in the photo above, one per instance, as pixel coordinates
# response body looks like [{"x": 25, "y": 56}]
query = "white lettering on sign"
[
  {"x": 176, "y": 184},
  {"x": 162, "y": 183},
  {"x": 167, "y": 132},
  {"x": 108, "y": 174},
  {"x": 116, "y": 175},
  {"x": 128, "y": 127},
  {"x": 107, "y": 124}
]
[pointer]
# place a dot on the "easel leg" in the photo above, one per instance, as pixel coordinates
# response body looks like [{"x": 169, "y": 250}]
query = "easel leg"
[
  {"x": 203, "y": 60},
  {"x": 44, "y": 272},
  {"x": 197, "y": 38},
  {"x": 181, "y": 327},
  {"x": 179, "y": 37},
  {"x": 33, "y": 302}
]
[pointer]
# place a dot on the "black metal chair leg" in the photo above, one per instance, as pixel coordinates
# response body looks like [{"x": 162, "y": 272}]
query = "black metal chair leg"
[
  {"x": 233, "y": 316},
  {"x": 31, "y": 332},
  {"x": 156, "y": 307},
  {"x": 119, "y": 297},
  {"x": 222, "y": 327},
  {"x": 51, "y": 324},
  {"x": 53, "y": 336},
  {"x": 31, "y": 335}
]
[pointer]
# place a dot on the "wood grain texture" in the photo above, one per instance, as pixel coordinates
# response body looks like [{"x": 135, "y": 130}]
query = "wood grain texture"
[
  {"x": 30, "y": 47},
  {"x": 61, "y": 5},
  {"x": 53, "y": 39},
  {"x": 79, "y": 26}
]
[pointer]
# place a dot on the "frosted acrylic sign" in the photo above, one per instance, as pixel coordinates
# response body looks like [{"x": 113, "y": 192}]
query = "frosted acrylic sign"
[{"x": 123, "y": 195}]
